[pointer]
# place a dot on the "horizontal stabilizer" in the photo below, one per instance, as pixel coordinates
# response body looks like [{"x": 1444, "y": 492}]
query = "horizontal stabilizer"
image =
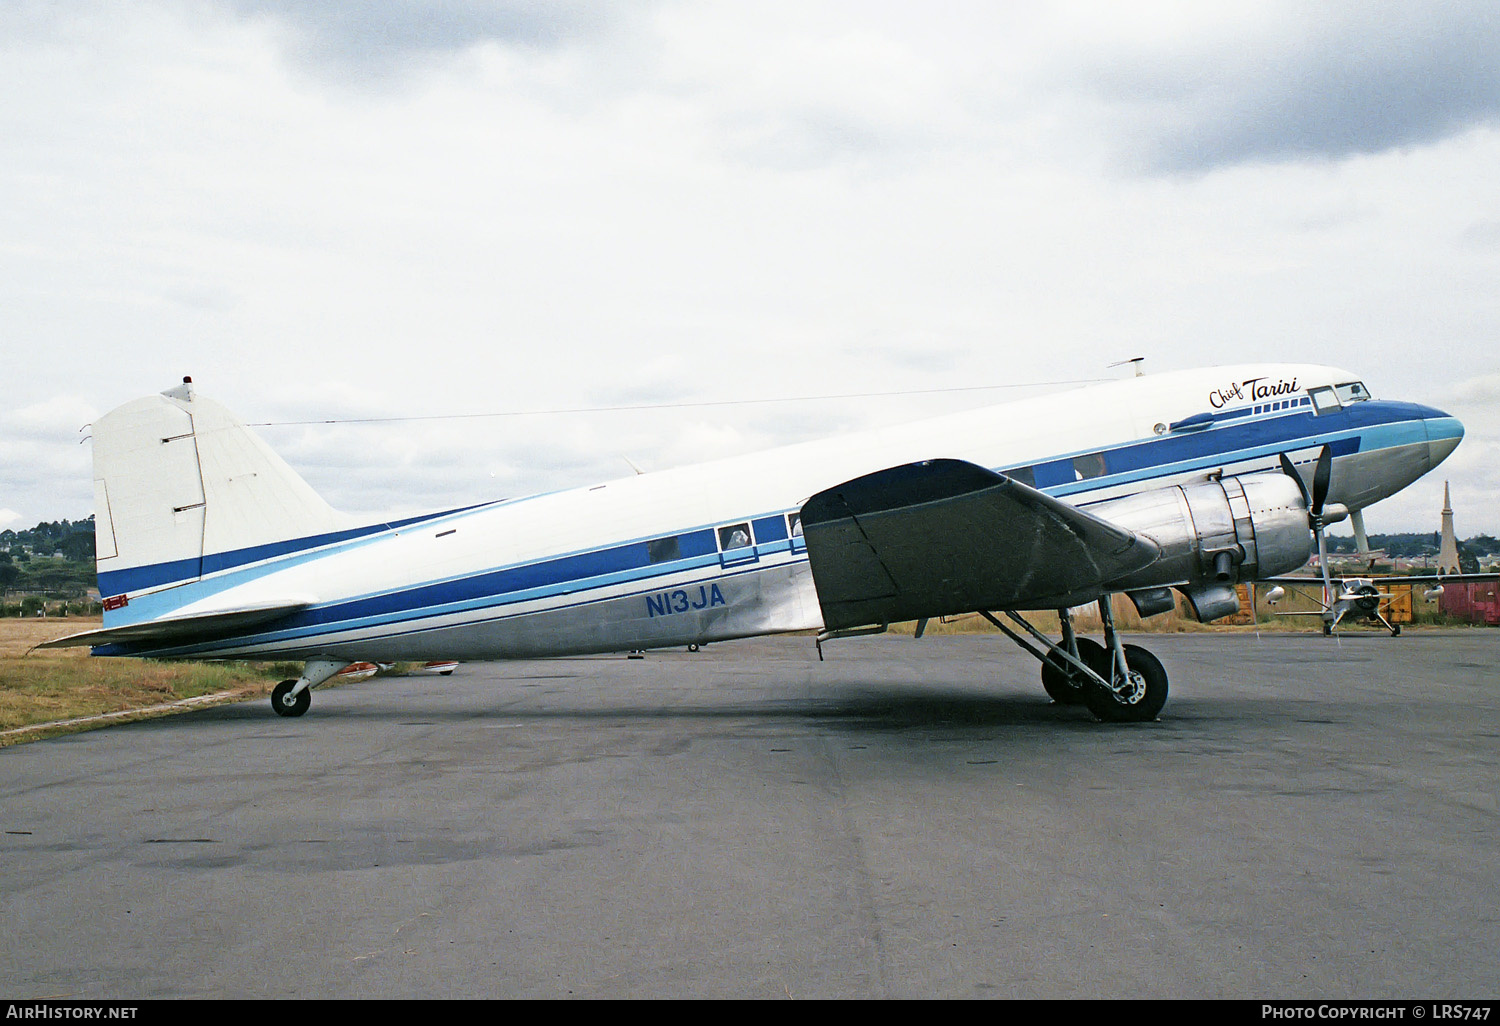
[
  {"x": 945, "y": 537},
  {"x": 199, "y": 626}
]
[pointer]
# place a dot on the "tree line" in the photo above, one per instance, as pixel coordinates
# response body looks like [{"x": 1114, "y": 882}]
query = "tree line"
[
  {"x": 53, "y": 560},
  {"x": 1416, "y": 544}
]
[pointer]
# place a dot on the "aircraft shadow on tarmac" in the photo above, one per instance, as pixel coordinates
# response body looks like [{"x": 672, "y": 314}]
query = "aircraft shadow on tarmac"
[{"x": 881, "y": 705}]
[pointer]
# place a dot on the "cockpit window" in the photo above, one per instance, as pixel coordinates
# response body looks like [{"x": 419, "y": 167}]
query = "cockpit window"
[
  {"x": 1324, "y": 401},
  {"x": 1353, "y": 392}
]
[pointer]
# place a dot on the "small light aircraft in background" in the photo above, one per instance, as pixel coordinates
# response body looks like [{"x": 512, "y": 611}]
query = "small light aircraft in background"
[
  {"x": 1355, "y": 595},
  {"x": 1361, "y": 597},
  {"x": 210, "y": 546}
]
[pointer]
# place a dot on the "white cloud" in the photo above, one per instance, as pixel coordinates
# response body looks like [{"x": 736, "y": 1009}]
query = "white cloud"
[
  {"x": 51, "y": 419},
  {"x": 1283, "y": 82}
]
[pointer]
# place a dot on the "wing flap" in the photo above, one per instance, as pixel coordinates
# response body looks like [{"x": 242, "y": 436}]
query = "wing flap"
[
  {"x": 944, "y": 537},
  {"x": 184, "y": 628}
]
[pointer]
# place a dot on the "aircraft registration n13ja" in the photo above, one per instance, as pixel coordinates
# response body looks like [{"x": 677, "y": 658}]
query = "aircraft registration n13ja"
[{"x": 210, "y": 546}]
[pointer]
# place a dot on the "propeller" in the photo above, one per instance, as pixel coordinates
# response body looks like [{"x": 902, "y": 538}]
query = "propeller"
[{"x": 1320, "y": 513}]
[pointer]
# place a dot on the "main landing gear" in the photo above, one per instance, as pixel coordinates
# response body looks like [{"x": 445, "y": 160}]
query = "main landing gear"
[
  {"x": 1118, "y": 683},
  {"x": 292, "y": 697}
]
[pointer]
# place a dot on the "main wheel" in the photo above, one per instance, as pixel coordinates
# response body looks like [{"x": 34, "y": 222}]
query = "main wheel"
[
  {"x": 1057, "y": 679},
  {"x": 1141, "y": 701},
  {"x": 286, "y": 704}
]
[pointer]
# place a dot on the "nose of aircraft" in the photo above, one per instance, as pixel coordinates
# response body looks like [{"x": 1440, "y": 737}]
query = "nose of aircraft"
[{"x": 1444, "y": 432}]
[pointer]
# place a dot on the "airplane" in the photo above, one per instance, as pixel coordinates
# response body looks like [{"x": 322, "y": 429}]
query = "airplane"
[
  {"x": 210, "y": 546},
  {"x": 1361, "y": 597}
]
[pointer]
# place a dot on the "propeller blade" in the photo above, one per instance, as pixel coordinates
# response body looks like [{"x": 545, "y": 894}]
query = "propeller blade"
[
  {"x": 1321, "y": 478},
  {"x": 1328, "y": 591},
  {"x": 1290, "y": 471}
]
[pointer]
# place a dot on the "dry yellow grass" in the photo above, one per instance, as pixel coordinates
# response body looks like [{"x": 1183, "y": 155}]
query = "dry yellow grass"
[
  {"x": 19, "y": 634},
  {"x": 59, "y": 684}
]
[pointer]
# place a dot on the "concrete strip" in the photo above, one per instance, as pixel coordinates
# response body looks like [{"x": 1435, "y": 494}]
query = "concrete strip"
[{"x": 144, "y": 711}]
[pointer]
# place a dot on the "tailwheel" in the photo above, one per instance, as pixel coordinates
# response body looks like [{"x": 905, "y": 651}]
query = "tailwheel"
[
  {"x": 287, "y": 704},
  {"x": 1062, "y": 683},
  {"x": 1140, "y": 698}
]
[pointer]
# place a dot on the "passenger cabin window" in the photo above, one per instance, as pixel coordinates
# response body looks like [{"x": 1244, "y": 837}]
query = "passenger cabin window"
[
  {"x": 1324, "y": 400},
  {"x": 795, "y": 541},
  {"x": 1085, "y": 467},
  {"x": 1352, "y": 392},
  {"x": 734, "y": 536},
  {"x": 663, "y": 550}
]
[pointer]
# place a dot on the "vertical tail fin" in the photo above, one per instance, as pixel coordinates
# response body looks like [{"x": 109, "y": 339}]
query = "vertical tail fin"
[{"x": 181, "y": 487}]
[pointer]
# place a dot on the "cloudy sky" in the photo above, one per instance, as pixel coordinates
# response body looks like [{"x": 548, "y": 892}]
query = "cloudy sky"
[{"x": 333, "y": 211}]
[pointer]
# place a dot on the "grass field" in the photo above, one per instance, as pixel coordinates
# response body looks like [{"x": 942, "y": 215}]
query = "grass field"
[{"x": 64, "y": 684}]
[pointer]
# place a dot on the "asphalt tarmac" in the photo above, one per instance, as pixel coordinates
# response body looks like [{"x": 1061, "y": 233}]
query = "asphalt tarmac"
[{"x": 1310, "y": 818}]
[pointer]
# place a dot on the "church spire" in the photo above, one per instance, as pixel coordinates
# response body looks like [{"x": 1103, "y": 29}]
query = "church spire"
[{"x": 1448, "y": 547}]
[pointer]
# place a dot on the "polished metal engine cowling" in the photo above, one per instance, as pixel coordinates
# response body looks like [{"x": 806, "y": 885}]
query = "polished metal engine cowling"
[{"x": 1212, "y": 534}]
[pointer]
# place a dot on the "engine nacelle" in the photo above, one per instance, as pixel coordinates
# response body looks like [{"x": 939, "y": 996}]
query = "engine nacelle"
[{"x": 1211, "y": 535}]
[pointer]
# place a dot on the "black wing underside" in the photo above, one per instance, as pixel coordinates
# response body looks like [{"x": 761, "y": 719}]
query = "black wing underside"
[{"x": 944, "y": 537}]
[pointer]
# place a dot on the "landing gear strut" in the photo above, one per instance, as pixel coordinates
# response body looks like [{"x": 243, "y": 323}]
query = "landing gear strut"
[
  {"x": 1119, "y": 683},
  {"x": 1061, "y": 680}
]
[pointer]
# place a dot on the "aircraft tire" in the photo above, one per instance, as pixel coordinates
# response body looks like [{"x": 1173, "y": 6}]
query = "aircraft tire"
[
  {"x": 1107, "y": 706},
  {"x": 1395, "y": 630},
  {"x": 287, "y": 706},
  {"x": 1057, "y": 681}
]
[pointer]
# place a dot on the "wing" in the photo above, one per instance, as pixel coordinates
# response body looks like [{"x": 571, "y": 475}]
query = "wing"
[
  {"x": 944, "y": 537},
  {"x": 201, "y": 626}
]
